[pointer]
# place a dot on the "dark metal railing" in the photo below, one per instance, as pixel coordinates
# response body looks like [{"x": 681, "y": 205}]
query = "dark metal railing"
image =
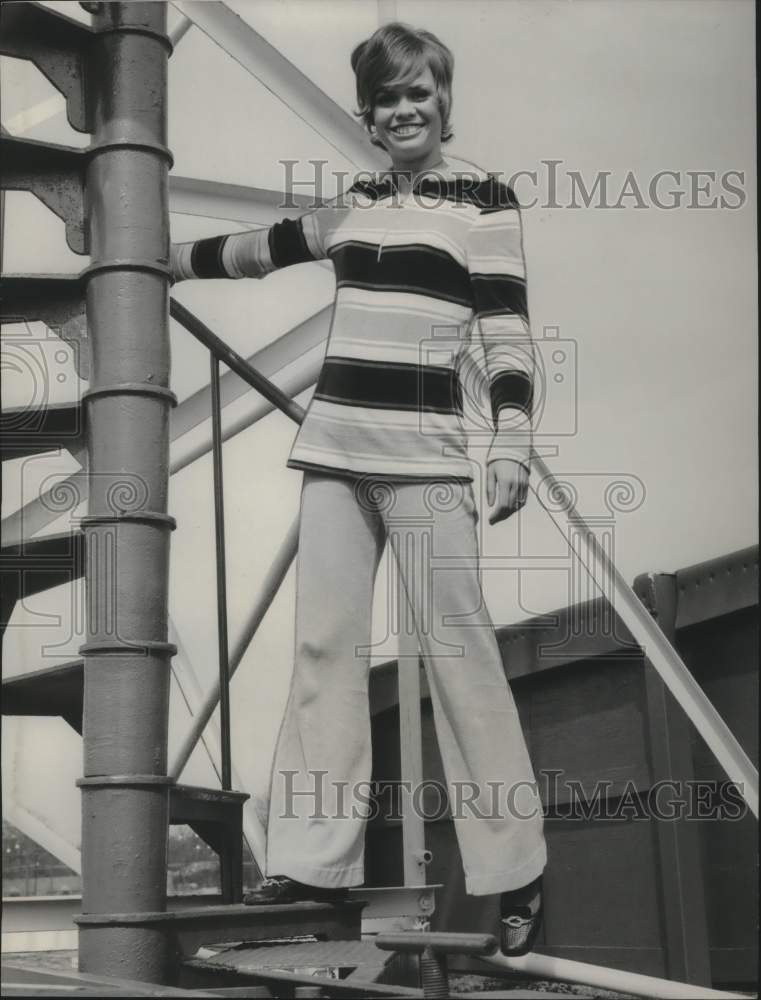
[
  {"x": 220, "y": 351},
  {"x": 235, "y": 362},
  {"x": 221, "y": 562}
]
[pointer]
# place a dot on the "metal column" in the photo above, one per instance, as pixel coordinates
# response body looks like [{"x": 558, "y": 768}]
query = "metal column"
[{"x": 125, "y": 788}]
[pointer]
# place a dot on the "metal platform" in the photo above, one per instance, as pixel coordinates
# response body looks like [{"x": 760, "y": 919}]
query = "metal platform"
[
  {"x": 281, "y": 969},
  {"x": 364, "y": 957}
]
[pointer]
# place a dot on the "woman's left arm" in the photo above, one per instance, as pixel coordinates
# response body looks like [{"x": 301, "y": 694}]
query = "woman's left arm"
[{"x": 498, "y": 280}]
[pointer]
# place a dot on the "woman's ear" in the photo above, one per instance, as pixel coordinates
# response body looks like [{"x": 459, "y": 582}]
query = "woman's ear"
[{"x": 373, "y": 137}]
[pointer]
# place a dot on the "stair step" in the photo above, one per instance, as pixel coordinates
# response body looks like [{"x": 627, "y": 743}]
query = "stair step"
[
  {"x": 32, "y": 430},
  {"x": 215, "y": 814},
  {"x": 362, "y": 956},
  {"x": 59, "y": 690},
  {"x": 244, "y": 969},
  {"x": 53, "y": 691},
  {"x": 38, "y": 564},
  {"x": 55, "y": 44},
  {"x": 196, "y": 927},
  {"x": 192, "y": 803},
  {"x": 55, "y": 175}
]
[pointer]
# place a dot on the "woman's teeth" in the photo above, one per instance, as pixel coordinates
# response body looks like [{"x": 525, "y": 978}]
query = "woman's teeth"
[{"x": 406, "y": 129}]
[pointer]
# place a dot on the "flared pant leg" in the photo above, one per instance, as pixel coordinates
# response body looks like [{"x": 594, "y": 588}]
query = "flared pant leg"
[
  {"x": 491, "y": 786},
  {"x": 324, "y": 744}
]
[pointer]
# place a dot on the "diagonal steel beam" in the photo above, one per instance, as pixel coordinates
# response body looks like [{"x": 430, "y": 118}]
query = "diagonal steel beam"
[
  {"x": 180, "y": 29},
  {"x": 37, "y": 114},
  {"x": 186, "y": 678},
  {"x": 263, "y": 61},
  {"x": 269, "y": 588},
  {"x": 214, "y": 200}
]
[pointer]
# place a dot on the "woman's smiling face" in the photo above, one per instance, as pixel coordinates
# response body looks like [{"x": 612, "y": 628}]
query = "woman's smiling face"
[{"x": 407, "y": 119}]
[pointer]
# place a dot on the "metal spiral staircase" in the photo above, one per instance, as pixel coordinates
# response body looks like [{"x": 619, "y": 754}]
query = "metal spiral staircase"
[
  {"x": 115, "y": 695},
  {"x": 113, "y": 76}
]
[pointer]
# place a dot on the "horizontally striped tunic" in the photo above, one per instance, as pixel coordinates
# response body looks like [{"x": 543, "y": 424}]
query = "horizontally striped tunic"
[{"x": 416, "y": 277}]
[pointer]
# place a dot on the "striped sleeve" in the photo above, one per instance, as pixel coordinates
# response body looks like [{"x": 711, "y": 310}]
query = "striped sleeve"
[
  {"x": 256, "y": 253},
  {"x": 498, "y": 284}
]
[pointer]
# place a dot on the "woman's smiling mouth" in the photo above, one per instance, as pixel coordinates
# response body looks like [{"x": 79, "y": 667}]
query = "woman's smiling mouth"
[{"x": 407, "y": 130}]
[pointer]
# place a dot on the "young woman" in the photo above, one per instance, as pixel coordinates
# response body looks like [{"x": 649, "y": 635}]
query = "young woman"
[{"x": 423, "y": 256}]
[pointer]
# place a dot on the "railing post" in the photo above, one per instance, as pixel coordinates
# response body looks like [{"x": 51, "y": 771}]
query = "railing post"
[
  {"x": 411, "y": 757},
  {"x": 219, "y": 533},
  {"x": 125, "y": 788}
]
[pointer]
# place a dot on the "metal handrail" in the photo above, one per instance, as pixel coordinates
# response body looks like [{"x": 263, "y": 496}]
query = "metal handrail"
[
  {"x": 220, "y": 351},
  {"x": 235, "y": 362},
  {"x": 221, "y": 563}
]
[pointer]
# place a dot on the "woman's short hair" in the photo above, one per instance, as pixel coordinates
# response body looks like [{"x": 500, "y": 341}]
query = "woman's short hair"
[{"x": 395, "y": 54}]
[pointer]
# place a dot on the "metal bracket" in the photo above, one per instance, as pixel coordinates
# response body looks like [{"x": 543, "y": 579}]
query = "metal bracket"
[
  {"x": 57, "y": 45},
  {"x": 55, "y": 300},
  {"x": 393, "y": 908},
  {"x": 55, "y": 175}
]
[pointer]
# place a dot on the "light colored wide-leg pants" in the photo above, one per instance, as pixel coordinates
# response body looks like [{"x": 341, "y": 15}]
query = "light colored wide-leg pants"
[{"x": 322, "y": 765}]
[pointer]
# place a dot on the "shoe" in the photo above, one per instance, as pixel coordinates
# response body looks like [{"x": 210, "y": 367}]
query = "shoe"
[
  {"x": 521, "y": 912},
  {"x": 282, "y": 889}
]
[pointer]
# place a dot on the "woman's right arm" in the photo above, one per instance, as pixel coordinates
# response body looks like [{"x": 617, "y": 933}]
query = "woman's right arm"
[{"x": 253, "y": 254}]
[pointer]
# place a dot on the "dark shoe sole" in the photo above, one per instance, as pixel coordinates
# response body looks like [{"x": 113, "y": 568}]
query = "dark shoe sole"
[{"x": 530, "y": 926}]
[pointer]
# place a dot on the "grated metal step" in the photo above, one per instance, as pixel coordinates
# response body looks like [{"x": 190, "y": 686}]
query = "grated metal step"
[{"x": 304, "y": 955}]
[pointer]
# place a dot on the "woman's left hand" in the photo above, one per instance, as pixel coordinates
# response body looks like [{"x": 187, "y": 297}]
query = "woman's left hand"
[{"x": 506, "y": 488}]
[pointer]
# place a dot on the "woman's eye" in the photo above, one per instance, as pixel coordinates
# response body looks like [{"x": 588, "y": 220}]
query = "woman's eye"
[{"x": 385, "y": 99}]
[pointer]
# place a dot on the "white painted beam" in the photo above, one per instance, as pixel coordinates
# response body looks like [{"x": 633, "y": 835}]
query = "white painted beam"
[
  {"x": 618, "y": 980},
  {"x": 235, "y": 202},
  {"x": 180, "y": 29},
  {"x": 262, "y": 60}
]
